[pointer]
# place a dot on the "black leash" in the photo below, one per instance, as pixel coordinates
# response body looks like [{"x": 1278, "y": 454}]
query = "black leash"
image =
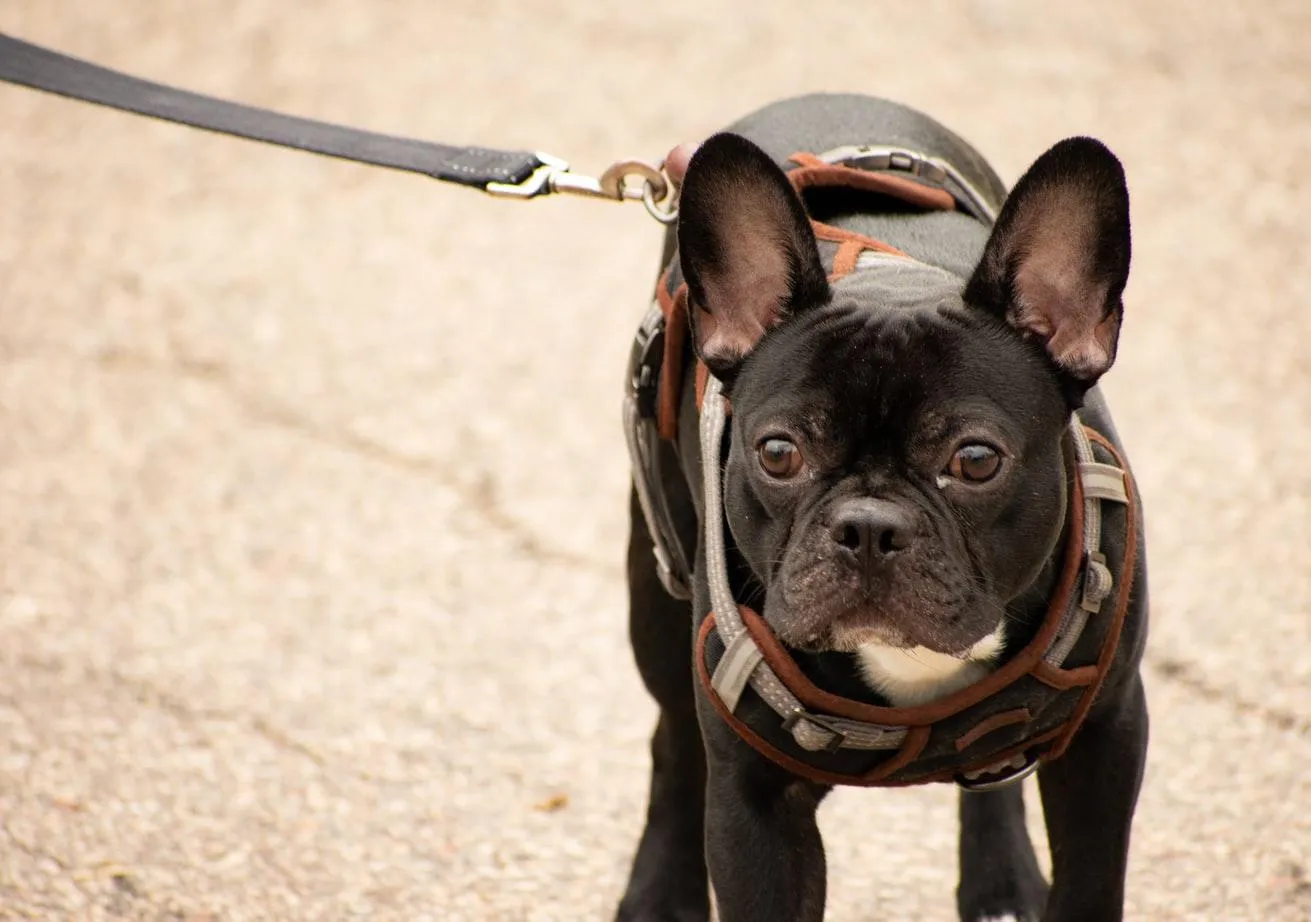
[{"x": 517, "y": 174}]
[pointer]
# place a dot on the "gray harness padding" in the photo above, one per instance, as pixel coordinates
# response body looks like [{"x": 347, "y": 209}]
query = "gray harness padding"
[{"x": 824, "y": 121}]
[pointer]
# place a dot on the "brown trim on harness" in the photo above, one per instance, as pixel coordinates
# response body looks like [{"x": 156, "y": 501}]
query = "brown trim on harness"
[
  {"x": 844, "y": 261},
  {"x": 989, "y": 724},
  {"x": 674, "y": 307},
  {"x": 814, "y": 173},
  {"x": 848, "y": 238},
  {"x": 702, "y": 378},
  {"x": 1063, "y": 679}
]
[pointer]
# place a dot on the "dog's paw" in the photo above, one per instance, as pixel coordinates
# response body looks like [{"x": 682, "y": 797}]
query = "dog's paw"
[
  {"x": 1017, "y": 896},
  {"x": 663, "y": 910},
  {"x": 667, "y": 914}
]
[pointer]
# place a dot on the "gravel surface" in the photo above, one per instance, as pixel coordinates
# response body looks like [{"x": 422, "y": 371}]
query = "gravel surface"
[{"x": 312, "y": 486}]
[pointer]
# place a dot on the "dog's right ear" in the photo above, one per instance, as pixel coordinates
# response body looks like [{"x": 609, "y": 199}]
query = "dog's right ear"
[
  {"x": 1057, "y": 262},
  {"x": 747, "y": 250}
]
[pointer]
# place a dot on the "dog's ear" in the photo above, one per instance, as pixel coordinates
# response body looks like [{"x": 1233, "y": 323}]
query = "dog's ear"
[
  {"x": 1058, "y": 259},
  {"x": 747, "y": 250}
]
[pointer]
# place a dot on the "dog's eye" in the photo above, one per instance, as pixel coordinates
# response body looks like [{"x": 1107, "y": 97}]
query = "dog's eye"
[
  {"x": 779, "y": 458},
  {"x": 974, "y": 463}
]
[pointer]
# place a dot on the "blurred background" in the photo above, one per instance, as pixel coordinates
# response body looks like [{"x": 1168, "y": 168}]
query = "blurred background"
[{"x": 313, "y": 490}]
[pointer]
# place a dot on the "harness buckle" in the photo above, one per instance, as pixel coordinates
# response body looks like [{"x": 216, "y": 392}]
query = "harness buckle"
[
  {"x": 1097, "y": 581},
  {"x": 647, "y": 356},
  {"x": 641, "y": 397},
  {"x": 878, "y": 159},
  {"x": 931, "y": 170},
  {"x": 837, "y": 737}
]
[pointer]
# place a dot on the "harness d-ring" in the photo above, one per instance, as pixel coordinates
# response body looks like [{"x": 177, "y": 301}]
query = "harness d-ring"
[{"x": 992, "y": 782}]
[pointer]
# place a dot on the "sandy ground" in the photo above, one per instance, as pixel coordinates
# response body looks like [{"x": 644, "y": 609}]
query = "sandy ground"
[{"x": 312, "y": 486}]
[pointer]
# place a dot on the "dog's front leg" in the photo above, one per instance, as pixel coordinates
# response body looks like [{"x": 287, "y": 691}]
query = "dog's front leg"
[
  {"x": 999, "y": 874},
  {"x": 763, "y": 846},
  {"x": 668, "y": 879},
  {"x": 1088, "y": 797}
]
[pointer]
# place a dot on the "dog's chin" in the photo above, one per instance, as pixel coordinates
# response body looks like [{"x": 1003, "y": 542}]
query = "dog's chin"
[
  {"x": 850, "y": 638},
  {"x": 846, "y": 633},
  {"x": 860, "y": 627}
]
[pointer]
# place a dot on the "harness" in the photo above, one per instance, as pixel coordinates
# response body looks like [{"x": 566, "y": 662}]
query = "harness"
[{"x": 987, "y": 735}]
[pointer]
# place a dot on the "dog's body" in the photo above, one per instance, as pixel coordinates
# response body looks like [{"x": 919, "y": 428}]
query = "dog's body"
[{"x": 895, "y": 501}]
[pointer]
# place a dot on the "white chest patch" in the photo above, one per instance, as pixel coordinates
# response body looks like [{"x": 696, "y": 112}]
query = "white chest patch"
[{"x": 907, "y": 677}]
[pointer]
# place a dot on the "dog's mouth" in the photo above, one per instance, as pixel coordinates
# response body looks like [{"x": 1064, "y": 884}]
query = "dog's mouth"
[
  {"x": 864, "y": 624},
  {"x": 851, "y": 630},
  {"x": 854, "y": 634}
]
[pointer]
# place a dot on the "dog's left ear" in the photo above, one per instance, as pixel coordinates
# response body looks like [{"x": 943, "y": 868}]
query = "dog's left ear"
[
  {"x": 747, "y": 250},
  {"x": 1057, "y": 261}
]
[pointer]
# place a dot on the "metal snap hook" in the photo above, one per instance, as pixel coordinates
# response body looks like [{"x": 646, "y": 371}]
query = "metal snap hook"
[{"x": 654, "y": 189}]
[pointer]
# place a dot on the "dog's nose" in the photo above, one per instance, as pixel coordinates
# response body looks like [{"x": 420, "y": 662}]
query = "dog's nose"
[{"x": 873, "y": 529}]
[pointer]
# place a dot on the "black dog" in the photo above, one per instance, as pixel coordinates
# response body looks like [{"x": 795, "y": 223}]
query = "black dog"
[{"x": 898, "y": 504}]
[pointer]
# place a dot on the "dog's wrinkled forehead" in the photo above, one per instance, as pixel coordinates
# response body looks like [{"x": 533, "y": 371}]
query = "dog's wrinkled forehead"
[
  {"x": 895, "y": 335},
  {"x": 886, "y": 282}
]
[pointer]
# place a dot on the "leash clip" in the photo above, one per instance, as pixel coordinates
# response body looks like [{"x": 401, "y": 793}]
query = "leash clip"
[
  {"x": 818, "y": 722},
  {"x": 1097, "y": 581},
  {"x": 538, "y": 181},
  {"x": 655, "y": 189}
]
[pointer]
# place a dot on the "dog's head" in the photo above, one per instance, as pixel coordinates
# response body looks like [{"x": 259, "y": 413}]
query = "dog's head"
[{"x": 896, "y": 474}]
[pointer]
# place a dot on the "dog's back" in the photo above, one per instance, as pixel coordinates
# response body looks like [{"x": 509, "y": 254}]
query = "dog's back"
[{"x": 824, "y": 122}]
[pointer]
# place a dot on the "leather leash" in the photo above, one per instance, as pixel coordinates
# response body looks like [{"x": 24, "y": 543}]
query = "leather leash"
[{"x": 510, "y": 174}]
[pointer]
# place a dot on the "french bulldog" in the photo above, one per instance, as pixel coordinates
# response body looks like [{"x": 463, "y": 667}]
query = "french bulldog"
[{"x": 895, "y": 502}]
